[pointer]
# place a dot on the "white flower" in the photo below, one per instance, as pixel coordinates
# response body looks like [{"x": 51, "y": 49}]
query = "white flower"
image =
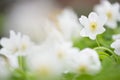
[
  {"x": 31, "y": 18},
  {"x": 66, "y": 55},
  {"x": 116, "y": 36},
  {"x": 111, "y": 11},
  {"x": 44, "y": 64},
  {"x": 116, "y": 46},
  {"x": 60, "y": 51},
  {"x": 88, "y": 61},
  {"x": 4, "y": 72},
  {"x": 11, "y": 60},
  {"x": 68, "y": 24},
  {"x": 7, "y": 64},
  {"x": 54, "y": 37},
  {"x": 16, "y": 44},
  {"x": 37, "y": 21},
  {"x": 93, "y": 25},
  {"x": 43, "y": 59}
]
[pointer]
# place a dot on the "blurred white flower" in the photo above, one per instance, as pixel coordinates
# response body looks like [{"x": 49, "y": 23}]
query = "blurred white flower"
[
  {"x": 88, "y": 61},
  {"x": 16, "y": 44},
  {"x": 42, "y": 60},
  {"x": 4, "y": 71},
  {"x": 116, "y": 36},
  {"x": 11, "y": 60},
  {"x": 30, "y": 17},
  {"x": 44, "y": 63},
  {"x": 116, "y": 46},
  {"x": 54, "y": 37},
  {"x": 111, "y": 11},
  {"x": 66, "y": 55},
  {"x": 60, "y": 51},
  {"x": 93, "y": 25},
  {"x": 68, "y": 24},
  {"x": 36, "y": 19}
]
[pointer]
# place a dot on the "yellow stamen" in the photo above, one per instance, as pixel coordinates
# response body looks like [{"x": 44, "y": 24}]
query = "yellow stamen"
[
  {"x": 109, "y": 15},
  {"x": 82, "y": 69},
  {"x": 93, "y": 26},
  {"x": 44, "y": 71},
  {"x": 60, "y": 54},
  {"x": 24, "y": 47}
]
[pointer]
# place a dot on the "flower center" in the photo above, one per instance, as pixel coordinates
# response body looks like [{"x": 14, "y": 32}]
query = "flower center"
[
  {"x": 93, "y": 26},
  {"x": 24, "y": 46},
  {"x": 53, "y": 17},
  {"x": 60, "y": 54},
  {"x": 82, "y": 68},
  {"x": 44, "y": 71},
  {"x": 15, "y": 50},
  {"x": 109, "y": 15}
]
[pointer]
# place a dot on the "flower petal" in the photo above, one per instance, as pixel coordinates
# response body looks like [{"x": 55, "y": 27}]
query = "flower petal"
[
  {"x": 84, "y": 20},
  {"x": 83, "y": 32},
  {"x": 93, "y": 16}
]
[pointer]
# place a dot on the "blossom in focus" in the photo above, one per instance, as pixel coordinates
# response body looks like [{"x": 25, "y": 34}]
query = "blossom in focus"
[
  {"x": 92, "y": 26},
  {"x": 116, "y": 46},
  {"x": 16, "y": 44},
  {"x": 111, "y": 11},
  {"x": 88, "y": 61}
]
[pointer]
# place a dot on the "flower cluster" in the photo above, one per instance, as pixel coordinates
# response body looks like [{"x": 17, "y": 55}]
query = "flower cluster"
[
  {"x": 49, "y": 58},
  {"x": 111, "y": 11},
  {"x": 56, "y": 55}
]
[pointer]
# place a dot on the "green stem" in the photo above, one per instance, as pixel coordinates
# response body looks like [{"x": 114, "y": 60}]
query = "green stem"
[
  {"x": 20, "y": 62},
  {"x": 97, "y": 42},
  {"x": 107, "y": 49}
]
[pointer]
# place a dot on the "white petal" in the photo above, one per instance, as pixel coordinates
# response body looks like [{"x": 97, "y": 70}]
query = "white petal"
[
  {"x": 119, "y": 16},
  {"x": 116, "y": 44},
  {"x": 116, "y": 36},
  {"x": 83, "y": 32},
  {"x": 83, "y": 20},
  {"x": 90, "y": 59},
  {"x": 13, "y": 61},
  {"x": 102, "y": 20},
  {"x": 116, "y": 6},
  {"x": 117, "y": 51},
  {"x": 116, "y": 11},
  {"x": 106, "y": 3},
  {"x": 111, "y": 24},
  {"x": 101, "y": 30},
  {"x": 12, "y": 34},
  {"x": 93, "y": 37},
  {"x": 93, "y": 16},
  {"x": 6, "y": 43}
]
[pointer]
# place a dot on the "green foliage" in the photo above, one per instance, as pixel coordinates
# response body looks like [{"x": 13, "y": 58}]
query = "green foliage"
[
  {"x": 84, "y": 42},
  {"x": 110, "y": 71}
]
